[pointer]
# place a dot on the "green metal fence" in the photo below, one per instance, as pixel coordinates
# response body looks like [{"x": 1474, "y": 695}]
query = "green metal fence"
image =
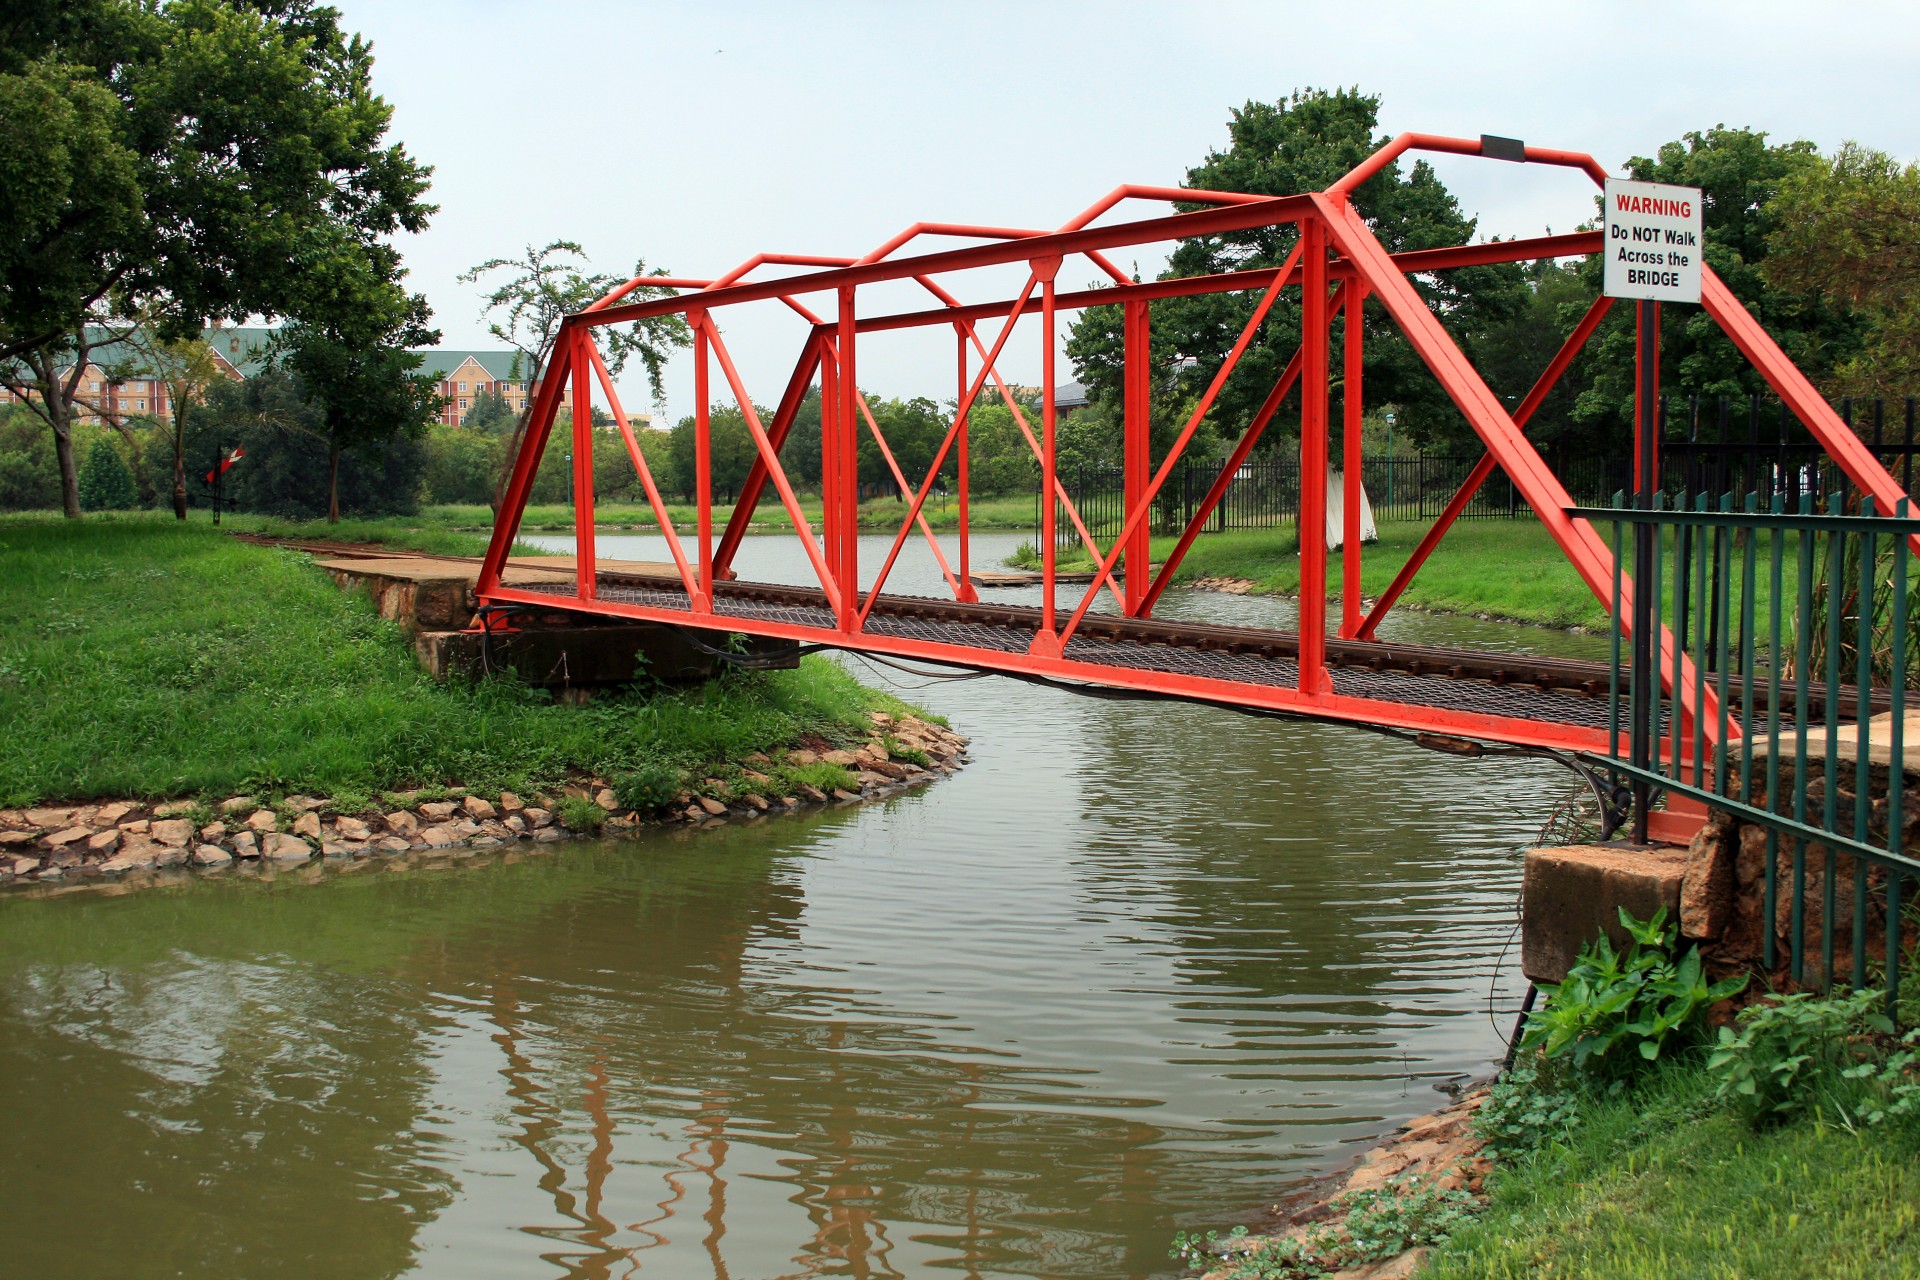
[{"x": 1780, "y": 698}]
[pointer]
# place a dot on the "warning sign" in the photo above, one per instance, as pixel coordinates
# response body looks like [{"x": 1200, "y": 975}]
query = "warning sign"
[{"x": 1653, "y": 241}]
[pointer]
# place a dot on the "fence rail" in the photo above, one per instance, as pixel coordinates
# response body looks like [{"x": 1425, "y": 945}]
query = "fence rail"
[
  {"x": 1791, "y": 629},
  {"x": 1715, "y": 444}
]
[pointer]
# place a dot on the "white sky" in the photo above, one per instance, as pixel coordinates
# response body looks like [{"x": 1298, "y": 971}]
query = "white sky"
[{"x": 694, "y": 135}]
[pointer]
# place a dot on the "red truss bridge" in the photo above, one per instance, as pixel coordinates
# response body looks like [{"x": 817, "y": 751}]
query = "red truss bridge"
[{"x": 1333, "y": 668}]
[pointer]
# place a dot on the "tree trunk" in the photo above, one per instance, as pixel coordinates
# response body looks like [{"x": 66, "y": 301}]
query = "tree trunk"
[
  {"x": 333, "y": 483},
  {"x": 63, "y": 450},
  {"x": 180, "y": 461}
]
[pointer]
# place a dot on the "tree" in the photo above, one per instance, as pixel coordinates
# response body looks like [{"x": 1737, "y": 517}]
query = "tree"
[
  {"x": 348, "y": 353},
  {"x": 106, "y": 484},
  {"x": 1848, "y": 232},
  {"x": 177, "y": 159},
  {"x": 186, "y": 367},
  {"x": 489, "y": 414},
  {"x": 1302, "y": 143},
  {"x": 547, "y": 286},
  {"x": 29, "y": 476}
]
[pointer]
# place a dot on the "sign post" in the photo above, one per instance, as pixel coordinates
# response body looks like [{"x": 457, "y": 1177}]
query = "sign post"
[{"x": 1653, "y": 246}]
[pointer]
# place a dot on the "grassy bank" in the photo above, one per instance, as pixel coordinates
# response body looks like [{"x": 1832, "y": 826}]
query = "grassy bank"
[
  {"x": 1657, "y": 1182},
  {"x": 147, "y": 659}
]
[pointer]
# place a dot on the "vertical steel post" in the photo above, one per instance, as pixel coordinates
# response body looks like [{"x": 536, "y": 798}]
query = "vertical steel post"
[
  {"x": 1046, "y": 643},
  {"x": 1313, "y": 458},
  {"x": 1350, "y": 432},
  {"x": 1137, "y": 452},
  {"x": 584, "y": 569},
  {"x": 702, "y": 452},
  {"x": 1645, "y": 714},
  {"x": 961, "y": 469},
  {"x": 844, "y": 502}
]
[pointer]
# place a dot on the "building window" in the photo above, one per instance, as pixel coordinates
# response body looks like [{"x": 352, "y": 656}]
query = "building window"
[{"x": 460, "y": 387}]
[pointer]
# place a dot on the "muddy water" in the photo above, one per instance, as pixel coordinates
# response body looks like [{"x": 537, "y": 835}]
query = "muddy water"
[{"x": 1131, "y": 971}]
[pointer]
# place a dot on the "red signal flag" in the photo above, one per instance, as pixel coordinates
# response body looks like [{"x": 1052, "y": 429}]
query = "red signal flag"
[{"x": 237, "y": 454}]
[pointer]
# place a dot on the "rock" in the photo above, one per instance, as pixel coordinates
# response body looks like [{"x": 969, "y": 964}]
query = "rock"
[
  {"x": 211, "y": 855},
  {"x": 789, "y": 802},
  {"x": 213, "y": 832},
  {"x": 8, "y": 838},
  {"x": 277, "y": 846},
  {"x": 172, "y": 808},
  {"x": 308, "y": 825},
  {"x": 392, "y": 844},
  {"x": 538, "y": 817},
  {"x": 351, "y": 829},
  {"x": 1571, "y": 893},
  {"x": 71, "y": 834},
  {"x": 439, "y": 837},
  {"x": 477, "y": 808},
  {"x": 438, "y": 810},
  {"x": 755, "y": 801},
  {"x": 757, "y": 757},
  {"x": 606, "y": 799},
  {"x": 712, "y": 807},
  {"x": 103, "y": 841},
  {"x": 515, "y": 823},
  {"x": 49, "y": 818},
  {"x": 511, "y": 803},
  {"x": 813, "y": 793},
  {"x": 334, "y": 849},
  {"x": 549, "y": 833},
  {"x": 21, "y": 866},
  {"x": 234, "y": 804},
  {"x": 868, "y": 778},
  {"x": 467, "y": 828},
  {"x": 753, "y": 776},
  {"x": 880, "y": 718},
  {"x": 1706, "y": 889},
  {"x": 845, "y": 759},
  {"x": 1399, "y": 1267},
  {"x": 129, "y": 859},
  {"x": 800, "y": 759},
  {"x": 891, "y": 769},
  {"x": 302, "y": 804},
  {"x": 111, "y": 814},
  {"x": 246, "y": 845},
  {"x": 174, "y": 832},
  {"x": 842, "y": 794},
  {"x": 138, "y": 826},
  {"x": 169, "y": 856},
  {"x": 402, "y": 823},
  {"x": 263, "y": 820}
]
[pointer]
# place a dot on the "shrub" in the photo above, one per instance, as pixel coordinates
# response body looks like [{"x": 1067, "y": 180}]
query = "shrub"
[
  {"x": 105, "y": 483},
  {"x": 1525, "y": 1111},
  {"x": 1368, "y": 1226},
  {"x": 1827, "y": 1053},
  {"x": 651, "y": 786},
  {"x": 577, "y": 813},
  {"x": 1616, "y": 1011}
]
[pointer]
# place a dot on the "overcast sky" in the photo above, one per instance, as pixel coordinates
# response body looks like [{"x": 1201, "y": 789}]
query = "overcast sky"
[{"x": 694, "y": 135}]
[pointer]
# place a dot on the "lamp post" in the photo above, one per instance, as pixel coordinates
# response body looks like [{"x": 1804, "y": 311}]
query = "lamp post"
[
  {"x": 1392, "y": 465},
  {"x": 569, "y": 479}
]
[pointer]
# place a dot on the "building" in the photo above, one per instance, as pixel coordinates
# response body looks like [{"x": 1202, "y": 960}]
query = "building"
[
  {"x": 110, "y": 387},
  {"x": 1069, "y": 397}
]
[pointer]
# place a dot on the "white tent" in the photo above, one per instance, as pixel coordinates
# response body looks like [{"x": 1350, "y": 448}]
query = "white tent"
[{"x": 1336, "y": 521}]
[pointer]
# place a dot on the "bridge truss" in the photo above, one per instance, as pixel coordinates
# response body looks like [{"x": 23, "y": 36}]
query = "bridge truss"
[{"x": 1332, "y": 668}]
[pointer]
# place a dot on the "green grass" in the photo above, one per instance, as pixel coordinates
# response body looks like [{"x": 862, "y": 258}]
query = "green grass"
[
  {"x": 1656, "y": 1184},
  {"x": 140, "y": 657}
]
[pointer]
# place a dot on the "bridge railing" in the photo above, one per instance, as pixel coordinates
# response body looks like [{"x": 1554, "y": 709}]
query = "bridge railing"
[{"x": 1797, "y": 625}]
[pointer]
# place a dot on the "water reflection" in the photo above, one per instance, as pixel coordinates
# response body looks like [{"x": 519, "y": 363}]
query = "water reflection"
[{"x": 1132, "y": 969}]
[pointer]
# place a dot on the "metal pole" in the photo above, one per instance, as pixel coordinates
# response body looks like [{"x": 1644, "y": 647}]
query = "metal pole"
[{"x": 1645, "y": 711}]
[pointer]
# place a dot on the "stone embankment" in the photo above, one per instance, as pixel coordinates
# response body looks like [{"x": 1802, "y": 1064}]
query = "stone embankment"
[
  {"x": 129, "y": 841},
  {"x": 1439, "y": 1149}
]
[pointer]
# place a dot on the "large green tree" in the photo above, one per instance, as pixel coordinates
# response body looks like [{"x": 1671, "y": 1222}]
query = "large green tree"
[
  {"x": 177, "y": 159},
  {"x": 1301, "y": 143}
]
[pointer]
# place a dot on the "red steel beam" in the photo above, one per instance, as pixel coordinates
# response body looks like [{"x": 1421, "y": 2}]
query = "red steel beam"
[
  {"x": 1536, "y": 396},
  {"x": 755, "y": 484}
]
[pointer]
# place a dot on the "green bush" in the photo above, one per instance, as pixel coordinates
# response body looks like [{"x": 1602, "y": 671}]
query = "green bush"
[
  {"x": 1367, "y": 1226},
  {"x": 651, "y": 786},
  {"x": 1830, "y": 1054},
  {"x": 1526, "y": 1110},
  {"x": 105, "y": 482},
  {"x": 577, "y": 813},
  {"x": 1616, "y": 1011}
]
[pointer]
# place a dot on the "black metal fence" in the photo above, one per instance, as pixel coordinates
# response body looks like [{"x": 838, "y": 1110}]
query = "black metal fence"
[
  {"x": 1715, "y": 444},
  {"x": 1791, "y": 630}
]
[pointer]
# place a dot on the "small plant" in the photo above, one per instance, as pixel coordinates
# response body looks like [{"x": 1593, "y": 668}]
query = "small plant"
[
  {"x": 1616, "y": 1011},
  {"x": 1827, "y": 1053},
  {"x": 577, "y": 813},
  {"x": 1525, "y": 1112},
  {"x": 648, "y": 788},
  {"x": 912, "y": 755},
  {"x": 1368, "y": 1226}
]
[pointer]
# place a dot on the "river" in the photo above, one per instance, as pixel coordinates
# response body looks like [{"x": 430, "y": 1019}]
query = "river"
[{"x": 1132, "y": 970}]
